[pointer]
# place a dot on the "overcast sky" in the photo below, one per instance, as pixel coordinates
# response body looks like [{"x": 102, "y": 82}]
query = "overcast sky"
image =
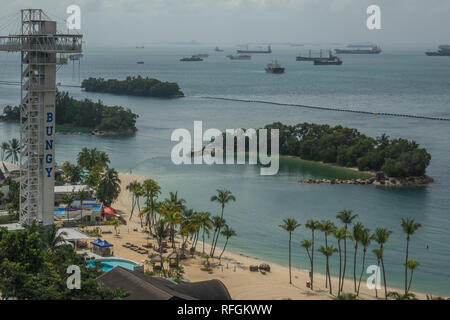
[{"x": 133, "y": 22}]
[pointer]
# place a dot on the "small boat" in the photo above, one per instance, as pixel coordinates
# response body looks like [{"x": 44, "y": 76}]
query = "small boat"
[
  {"x": 331, "y": 62},
  {"x": 240, "y": 57},
  {"x": 274, "y": 67},
  {"x": 217, "y": 49},
  {"x": 140, "y": 62},
  {"x": 193, "y": 58}
]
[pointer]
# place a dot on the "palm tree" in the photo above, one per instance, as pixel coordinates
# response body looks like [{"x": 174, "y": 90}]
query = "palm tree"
[
  {"x": 92, "y": 159},
  {"x": 161, "y": 233},
  {"x": 412, "y": 265},
  {"x": 206, "y": 224},
  {"x": 307, "y": 245},
  {"x": 109, "y": 187},
  {"x": 4, "y": 150},
  {"x": 132, "y": 188},
  {"x": 340, "y": 234},
  {"x": 346, "y": 217},
  {"x": 312, "y": 225},
  {"x": 172, "y": 217},
  {"x": 151, "y": 190},
  {"x": 378, "y": 253},
  {"x": 179, "y": 203},
  {"x": 14, "y": 150},
  {"x": 365, "y": 239},
  {"x": 81, "y": 196},
  {"x": 52, "y": 237},
  {"x": 222, "y": 197},
  {"x": 356, "y": 236},
  {"x": 290, "y": 224},
  {"x": 227, "y": 232},
  {"x": 327, "y": 227},
  {"x": 115, "y": 223},
  {"x": 217, "y": 223},
  {"x": 381, "y": 236},
  {"x": 68, "y": 198},
  {"x": 328, "y": 252},
  {"x": 409, "y": 227}
]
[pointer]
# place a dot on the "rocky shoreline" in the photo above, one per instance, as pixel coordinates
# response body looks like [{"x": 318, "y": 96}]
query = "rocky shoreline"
[{"x": 379, "y": 180}]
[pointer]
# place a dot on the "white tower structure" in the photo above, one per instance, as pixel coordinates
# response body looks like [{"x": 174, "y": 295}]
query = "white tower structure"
[{"x": 39, "y": 45}]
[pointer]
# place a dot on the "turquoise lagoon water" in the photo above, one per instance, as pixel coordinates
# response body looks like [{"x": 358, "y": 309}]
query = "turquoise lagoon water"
[
  {"x": 400, "y": 80},
  {"x": 108, "y": 264}
]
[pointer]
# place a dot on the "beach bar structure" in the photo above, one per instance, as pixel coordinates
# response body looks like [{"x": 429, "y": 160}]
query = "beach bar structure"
[
  {"x": 39, "y": 45},
  {"x": 102, "y": 247}
]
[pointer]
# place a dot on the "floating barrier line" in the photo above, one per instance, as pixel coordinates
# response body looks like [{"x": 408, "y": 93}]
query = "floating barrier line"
[
  {"x": 17, "y": 83},
  {"x": 331, "y": 109}
]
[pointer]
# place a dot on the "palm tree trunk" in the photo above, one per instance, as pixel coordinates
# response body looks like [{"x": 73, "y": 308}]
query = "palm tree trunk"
[
  {"x": 340, "y": 267},
  {"x": 345, "y": 262},
  {"x": 384, "y": 278},
  {"x": 326, "y": 268},
  {"x": 354, "y": 265},
  {"x": 410, "y": 280},
  {"x": 203, "y": 236},
  {"x": 226, "y": 242},
  {"x": 406, "y": 264},
  {"x": 376, "y": 279},
  {"x": 328, "y": 272},
  {"x": 290, "y": 277},
  {"x": 362, "y": 271},
  {"x": 312, "y": 262},
  {"x": 133, "y": 204},
  {"x": 212, "y": 242},
  {"x": 218, "y": 232}
]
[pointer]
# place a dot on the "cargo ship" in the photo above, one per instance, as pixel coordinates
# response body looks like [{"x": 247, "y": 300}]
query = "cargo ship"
[
  {"x": 330, "y": 62},
  {"x": 193, "y": 58},
  {"x": 217, "y": 49},
  {"x": 240, "y": 57},
  {"x": 444, "y": 51},
  {"x": 310, "y": 57},
  {"x": 269, "y": 50},
  {"x": 371, "y": 50},
  {"x": 274, "y": 67}
]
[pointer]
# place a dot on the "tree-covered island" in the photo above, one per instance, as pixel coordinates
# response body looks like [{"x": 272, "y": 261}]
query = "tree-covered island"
[
  {"x": 85, "y": 116},
  {"x": 397, "y": 158},
  {"x": 134, "y": 86}
]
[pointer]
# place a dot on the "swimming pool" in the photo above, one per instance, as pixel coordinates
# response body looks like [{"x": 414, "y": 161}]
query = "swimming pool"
[{"x": 108, "y": 264}]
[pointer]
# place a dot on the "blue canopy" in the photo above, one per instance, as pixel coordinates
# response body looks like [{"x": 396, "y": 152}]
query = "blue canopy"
[{"x": 101, "y": 243}]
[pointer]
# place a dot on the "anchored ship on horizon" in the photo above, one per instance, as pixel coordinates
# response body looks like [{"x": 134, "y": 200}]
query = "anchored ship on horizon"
[
  {"x": 352, "y": 49},
  {"x": 444, "y": 51}
]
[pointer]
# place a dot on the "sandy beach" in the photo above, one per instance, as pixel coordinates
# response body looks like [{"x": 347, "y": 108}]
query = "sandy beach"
[{"x": 234, "y": 269}]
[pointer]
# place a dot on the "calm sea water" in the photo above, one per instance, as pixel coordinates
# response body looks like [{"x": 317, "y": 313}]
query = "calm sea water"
[{"x": 401, "y": 80}]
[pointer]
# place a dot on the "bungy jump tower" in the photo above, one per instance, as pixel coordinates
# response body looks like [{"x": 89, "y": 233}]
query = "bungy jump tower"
[{"x": 41, "y": 49}]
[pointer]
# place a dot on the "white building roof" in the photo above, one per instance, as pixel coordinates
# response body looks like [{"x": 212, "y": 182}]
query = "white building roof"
[
  {"x": 73, "y": 234},
  {"x": 71, "y": 188},
  {"x": 12, "y": 226}
]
